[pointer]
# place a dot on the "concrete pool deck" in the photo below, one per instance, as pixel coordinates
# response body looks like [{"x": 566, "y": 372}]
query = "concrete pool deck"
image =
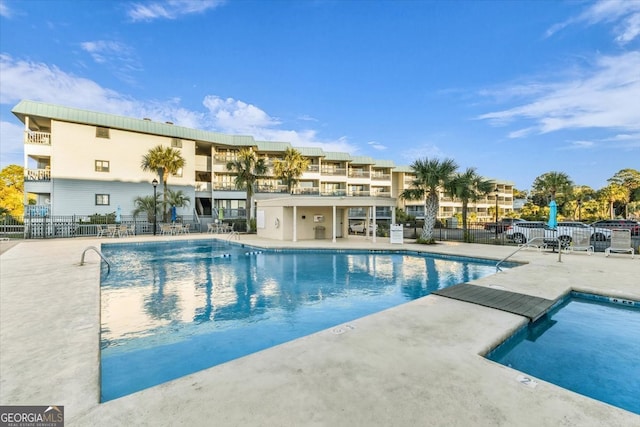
[{"x": 416, "y": 364}]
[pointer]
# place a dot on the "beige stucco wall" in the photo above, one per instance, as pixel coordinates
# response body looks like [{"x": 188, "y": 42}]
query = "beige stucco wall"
[
  {"x": 75, "y": 149},
  {"x": 306, "y": 225}
]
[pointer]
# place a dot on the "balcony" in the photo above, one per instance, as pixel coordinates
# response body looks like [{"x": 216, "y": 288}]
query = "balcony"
[
  {"x": 313, "y": 168},
  {"x": 358, "y": 173},
  {"x": 37, "y": 138},
  {"x": 382, "y": 177},
  {"x": 37, "y": 174},
  {"x": 334, "y": 171},
  {"x": 202, "y": 186}
]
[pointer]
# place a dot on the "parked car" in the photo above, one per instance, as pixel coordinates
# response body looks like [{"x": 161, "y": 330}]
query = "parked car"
[
  {"x": 634, "y": 226},
  {"x": 358, "y": 227},
  {"x": 502, "y": 224},
  {"x": 521, "y": 232}
]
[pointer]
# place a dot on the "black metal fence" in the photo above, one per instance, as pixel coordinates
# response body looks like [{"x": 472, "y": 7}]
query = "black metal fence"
[{"x": 43, "y": 227}]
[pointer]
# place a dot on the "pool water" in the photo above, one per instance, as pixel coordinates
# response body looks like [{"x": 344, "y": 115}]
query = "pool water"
[
  {"x": 587, "y": 344},
  {"x": 169, "y": 309}
]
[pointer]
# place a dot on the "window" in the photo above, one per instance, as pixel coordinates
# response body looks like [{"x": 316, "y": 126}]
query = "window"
[
  {"x": 102, "y": 165},
  {"x": 176, "y": 143},
  {"x": 102, "y": 132},
  {"x": 102, "y": 199},
  {"x": 178, "y": 173}
]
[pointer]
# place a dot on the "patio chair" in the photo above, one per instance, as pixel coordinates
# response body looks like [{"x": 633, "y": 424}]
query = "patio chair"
[
  {"x": 101, "y": 230},
  {"x": 581, "y": 241},
  {"x": 123, "y": 231},
  {"x": 212, "y": 228},
  {"x": 185, "y": 229},
  {"x": 620, "y": 242},
  {"x": 166, "y": 229},
  {"x": 535, "y": 240}
]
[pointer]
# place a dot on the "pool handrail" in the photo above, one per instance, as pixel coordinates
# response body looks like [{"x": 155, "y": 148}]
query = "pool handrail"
[{"x": 99, "y": 253}]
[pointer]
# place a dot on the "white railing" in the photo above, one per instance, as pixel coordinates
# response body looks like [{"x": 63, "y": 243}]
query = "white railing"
[
  {"x": 42, "y": 138},
  {"x": 202, "y": 186},
  {"x": 37, "y": 175}
]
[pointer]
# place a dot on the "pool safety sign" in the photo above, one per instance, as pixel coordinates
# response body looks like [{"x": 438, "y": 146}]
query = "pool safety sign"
[
  {"x": 396, "y": 234},
  {"x": 32, "y": 416}
]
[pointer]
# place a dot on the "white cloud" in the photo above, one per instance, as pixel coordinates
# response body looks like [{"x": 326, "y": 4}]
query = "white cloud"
[
  {"x": 377, "y": 146},
  {"x": 624, "y": 14},
  {"x": 118, "y": 57},
  {"x": 171, "y": 9},
  {"x": 604, "y": 97},
  {"x": 20, "y": 79},
  {"x": 5, "y": 12}
]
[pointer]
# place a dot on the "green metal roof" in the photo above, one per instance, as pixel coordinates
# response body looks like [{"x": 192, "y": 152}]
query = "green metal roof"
[
  {"x": 337, "y": 156},
  {"x": 362, "y": 160},
  {"x": 385, "y": 164},
  {"x": 272, "y": 146},
  {"x": 75, "y": 115},
  {"x": 310, "y": 151},
  {"x": 403, "y": 168}
]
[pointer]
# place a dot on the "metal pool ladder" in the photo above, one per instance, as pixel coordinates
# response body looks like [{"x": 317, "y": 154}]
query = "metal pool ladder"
[{"x": 99, "y": 253}]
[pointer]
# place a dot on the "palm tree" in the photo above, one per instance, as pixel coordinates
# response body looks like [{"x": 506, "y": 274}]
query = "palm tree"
[
  {"x": 468, "y": 186},
  {"x": 614, "y": 193},
  {"x": 431, "y": 175},
  {"x": 145, "y": 204},
  {"x": 165, "y": 161},
  {"x": 248, "y": 168},
  {"x": 553, "y": 183},
  {"x": 291, "y": 168},
  {"x": 177, "y": 198}
]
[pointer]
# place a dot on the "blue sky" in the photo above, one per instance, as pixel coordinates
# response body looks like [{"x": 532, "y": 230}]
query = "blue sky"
[{"x": 513, "y": 88}]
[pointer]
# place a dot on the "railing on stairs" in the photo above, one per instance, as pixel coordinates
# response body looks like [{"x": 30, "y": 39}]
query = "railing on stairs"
[{"x": 99, "y": 253}]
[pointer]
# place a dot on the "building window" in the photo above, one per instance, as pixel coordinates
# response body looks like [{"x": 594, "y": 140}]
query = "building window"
[
  {"x": 178, "y": 173},
  {"x": 102, "y": 165},
  {"x": 102, "y": 132},
  {"x": 176, "y": 143},
  {"x": 102, "y": 199}
]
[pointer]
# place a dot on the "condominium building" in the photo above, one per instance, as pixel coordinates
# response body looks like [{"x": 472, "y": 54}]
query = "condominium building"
[{"x": 80, "y": 162}]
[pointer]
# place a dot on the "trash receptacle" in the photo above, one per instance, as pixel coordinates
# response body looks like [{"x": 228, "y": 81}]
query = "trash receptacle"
[{"x": 320, "y": 232}]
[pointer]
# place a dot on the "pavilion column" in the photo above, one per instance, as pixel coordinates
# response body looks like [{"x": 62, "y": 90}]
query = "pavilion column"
[
  {"x": 374, "y": 222},
  {"x": 335, "y": 227},
  {"x": 295, "y": 223}
]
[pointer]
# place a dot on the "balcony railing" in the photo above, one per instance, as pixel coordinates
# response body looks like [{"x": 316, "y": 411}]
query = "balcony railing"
[
  {"x": 203, "y": 186},
  {"x": 313, "y": 168},
  {"x": 382, "y": 176},
  {"x": 359, "y": 174},
  {"x": 306, "y": 191},
  {"x": 37, "y": 175},
  {"x": 334, "y": 171},
  {"x": 41, "y": 138},
  {"x": 226, "y": 186},
  {"x": 336, "y": 192}
]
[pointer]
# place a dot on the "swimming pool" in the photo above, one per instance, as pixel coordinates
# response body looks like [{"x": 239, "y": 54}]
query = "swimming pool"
[
  {"x": 169, "y": 309},
  {"x": 588, "y": 344}
]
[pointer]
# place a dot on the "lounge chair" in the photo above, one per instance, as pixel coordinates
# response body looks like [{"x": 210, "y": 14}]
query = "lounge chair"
[
  {"x": 620, "y": 242},
  {"x": 536, "y": 239},
  {"x": 581, "y": 241}
]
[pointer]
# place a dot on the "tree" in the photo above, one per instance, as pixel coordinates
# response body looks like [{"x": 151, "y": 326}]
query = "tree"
[
  {"x": 629, "y": 179},
  {"x": 165, "y": 161},
  {"x": 558, "y": 187},
  {"x": 431, "y": 176},
  {"x": 12, "y": 191},
  {"x": 468, "y": 186},
  {"x": 248, "y": 168},
  {"x": 291, "y": 168},
  {"x": 177, "y": 198},
  {"x": 613, "y": 193},
  {"x": 146, "y": 204}
]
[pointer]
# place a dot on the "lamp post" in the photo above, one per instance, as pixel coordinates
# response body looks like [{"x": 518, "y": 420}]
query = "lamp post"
[
  {"x": 580, "y": 210},
  {"x": 155, "y": 209},
  {"x": 496, "y": 193}
]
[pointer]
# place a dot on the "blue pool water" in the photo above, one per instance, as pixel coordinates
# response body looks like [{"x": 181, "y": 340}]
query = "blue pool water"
[
  {"x": 587, "y": 344},
  {"x": 172, "y": 308}
]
